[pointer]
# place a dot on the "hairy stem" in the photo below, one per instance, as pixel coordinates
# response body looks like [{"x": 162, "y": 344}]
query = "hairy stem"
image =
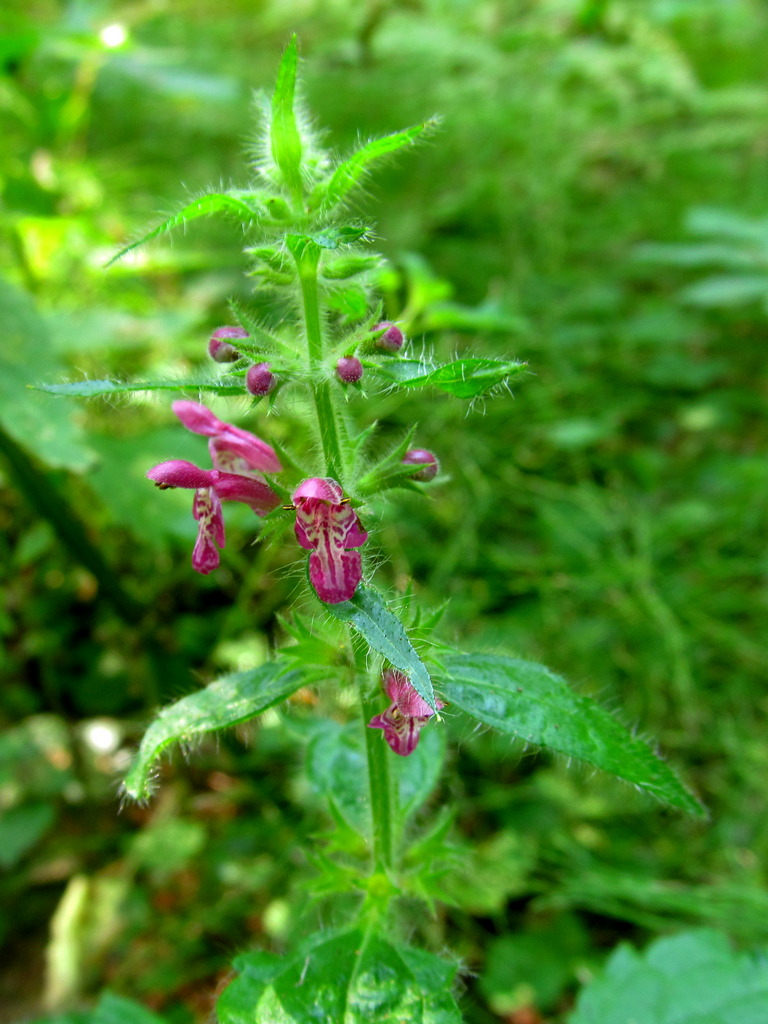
[
  {"x": 379, "y": 779},
  {"x": 321, "y": 388}
]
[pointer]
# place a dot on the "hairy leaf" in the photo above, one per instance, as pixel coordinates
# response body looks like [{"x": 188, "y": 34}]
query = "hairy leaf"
[
  {"x": 386, "y": 634},
  {"x": 528, "y": 701},
  {"x": 234, "y": 204},
  {"x": 285, "y": 138},
  {"x": 92, "y": 388},
  {"x": 341, "y": 978},
  {"x": 464, "y": 378},
  {"x": 228, "y": 701},
  {"x": 351, "y": 173}
]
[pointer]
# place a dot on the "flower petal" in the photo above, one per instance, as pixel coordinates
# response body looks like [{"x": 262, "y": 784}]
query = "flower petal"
[
  {"x": 206, "y": 508},
  {"x": 254, "y": 492},
  {"x": 179, "y": 473},
  {"x": 400, "y": 731},
  {"x": 322, "y": 488},
  {"x": 226, "y": 438},
  {"x": 334, "y": 571}
]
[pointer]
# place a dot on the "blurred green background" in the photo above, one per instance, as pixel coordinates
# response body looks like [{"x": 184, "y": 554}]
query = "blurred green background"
[{"x": 596, "y": 203}]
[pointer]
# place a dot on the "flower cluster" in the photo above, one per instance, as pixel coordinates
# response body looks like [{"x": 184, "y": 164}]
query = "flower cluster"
[
  {"x": 326, "y": 524},
  {"x": 239, "y": 461},
  {"x": 405, "y": 717}
]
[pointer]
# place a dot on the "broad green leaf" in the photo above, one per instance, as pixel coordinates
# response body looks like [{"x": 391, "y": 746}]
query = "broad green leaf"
[
  {"x": 228, "y": 701},
  {"x": 337, "y": 769},
  {"x": 386, "y": 634},
  {"x": 285, "y": 138},
  {"x": 464, "y": 378},
  {"x": 44, "y": 428},
  {"x": 241, "y": 206},
  {"x": 692, "y": 978},
  {"x": 528, "y": 701},
  {"x": 352, "y": 172},
  {"x": 93, "y": 388},
  {"x": 341, "y": 978}
]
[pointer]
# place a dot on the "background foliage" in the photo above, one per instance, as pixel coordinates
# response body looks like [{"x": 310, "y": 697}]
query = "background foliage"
[{"x": 596, "y": 202}]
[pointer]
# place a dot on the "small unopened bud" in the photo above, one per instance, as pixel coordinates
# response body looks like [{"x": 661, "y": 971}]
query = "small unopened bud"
[
  {"x": 260, "y": 380},
  {"x": 392, "y": 338},
  {"x": 219, "y": 347},
  {"x": 427, "y": 461},
  {"x": 349, "y": 370}
]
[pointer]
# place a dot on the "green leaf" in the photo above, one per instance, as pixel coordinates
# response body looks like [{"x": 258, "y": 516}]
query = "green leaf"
[
  {"x": 285, "y": 138},
  {"x": 238, "y": 205},
  {"x": 228, "y": 701},
  {"x": 385, "y": 633},
  {"x": 341, "y": 978},
  {"x": 528, "y": 701},
  {"x": 352, "y": 172},
  {"x": 113, "y": 1009},
  {"x": 93, "y": 388},
  {"x": 337, "y": 769},
  {"x": 692, "y": 978},
  {"x": 20, "y": 828},
  {"x": 464, "y": 378},
  {"x": 345, "y": 234}
]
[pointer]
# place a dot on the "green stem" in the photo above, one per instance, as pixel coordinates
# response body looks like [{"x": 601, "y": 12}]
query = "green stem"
[
  {"x": 379, "y": 779},
  {"x": 321, "y": 388}
]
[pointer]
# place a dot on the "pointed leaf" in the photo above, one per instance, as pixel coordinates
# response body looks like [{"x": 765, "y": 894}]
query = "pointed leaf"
[
  {"x": 386, "y": 634},
  {"x": 208, "y": 205},
  {"x": 92, "y": 388},
  {"x": 341, "y": 978},
  {"x": 351, "y": 173},
  {"x": 228, "y": 701},
  {"x": 528, "y": 701},
  {"x": 285, "y": 138},
  {"x": 464, "y": 378}
]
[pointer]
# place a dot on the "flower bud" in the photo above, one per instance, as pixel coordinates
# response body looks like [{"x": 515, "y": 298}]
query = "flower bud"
[
  {"x": 219, "y": 347},
  {"x": 260, "y": 380},
  {"x": 425, "y": 459},
  {"x": 392, "y": 339},
  {"x": 349, "y": 370}
]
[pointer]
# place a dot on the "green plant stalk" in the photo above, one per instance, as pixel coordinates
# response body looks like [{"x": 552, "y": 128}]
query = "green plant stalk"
[
  {"x": 379, "y": 779},
  {"x": 321, "y": 389}
]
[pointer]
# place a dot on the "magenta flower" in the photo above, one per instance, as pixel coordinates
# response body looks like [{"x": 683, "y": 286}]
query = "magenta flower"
[
  {"x": 405, "y": 717},
  {"x": 328, "y": 526},
  {"x": 239, "y": 460}
]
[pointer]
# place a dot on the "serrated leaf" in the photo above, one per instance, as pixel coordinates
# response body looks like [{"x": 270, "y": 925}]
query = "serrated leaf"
[
  {"x": 93, "y": 388},
  {"x": 285, "y": 138},
  {"x": 386, "y": 634},
  {"x": 692, "y": 978},
  {"x": 464, "y": 378},
  {"x": 228, "y": 701},
  {"x": 208, "y": 205},
  {"x": 528, "y": 701},
  {"x": 351, "y": 173},
  {"x": 341, "y": 978}
]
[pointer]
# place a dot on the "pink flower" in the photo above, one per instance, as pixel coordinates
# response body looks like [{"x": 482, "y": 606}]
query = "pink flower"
[
  {"x": 328, "y": 527},
  {"x": 239, "y": 459},
  {"x": 405, "y": 717}
]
